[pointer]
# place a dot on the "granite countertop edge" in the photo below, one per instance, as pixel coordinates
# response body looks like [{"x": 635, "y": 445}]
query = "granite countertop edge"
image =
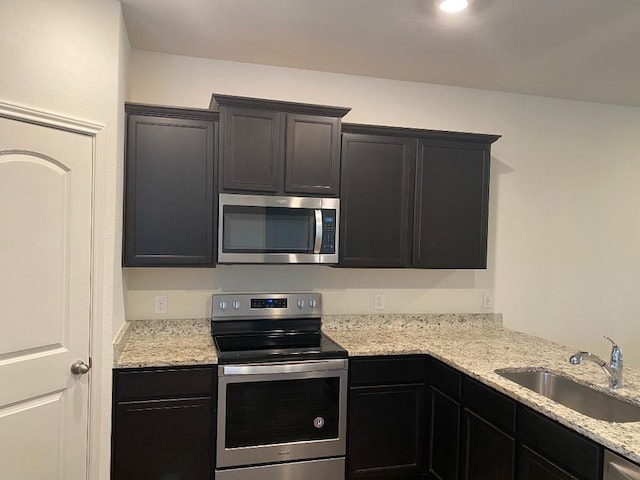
[{"x": 475, "y": 344}]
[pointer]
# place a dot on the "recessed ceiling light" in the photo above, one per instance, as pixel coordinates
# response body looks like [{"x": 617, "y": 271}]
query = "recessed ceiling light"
[{"x": 453, "y": 6}]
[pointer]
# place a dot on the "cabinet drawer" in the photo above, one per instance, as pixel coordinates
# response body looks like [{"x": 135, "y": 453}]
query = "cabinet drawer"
[
  {"x": 570, "y": 450},
  {"x": 445, "y": 378},
  {"x": 147, "y": 384},
  {"x": 489, "y": 404},
  {"x": 387, "y": 370}
]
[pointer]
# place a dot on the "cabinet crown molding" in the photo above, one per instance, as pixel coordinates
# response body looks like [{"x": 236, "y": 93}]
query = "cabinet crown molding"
[
  {"x": 132, "y": 108},
  {"x": 419, "y": 133},
  {"x": 219, "y": 100}
]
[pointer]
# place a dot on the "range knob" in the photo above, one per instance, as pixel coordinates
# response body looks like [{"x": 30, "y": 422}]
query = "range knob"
[
  {"x": 222, "y": 304},
  {"x": 300, "y": 303},
  {"x": 313, "y": 303},
  {"x": 236, "y": 304}
]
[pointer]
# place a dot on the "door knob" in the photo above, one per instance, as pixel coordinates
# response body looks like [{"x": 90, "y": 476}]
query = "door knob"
[{"x": 79, "y": 368}]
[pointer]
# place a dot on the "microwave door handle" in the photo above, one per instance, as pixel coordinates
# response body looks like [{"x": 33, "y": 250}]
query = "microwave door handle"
[{"x": 317, "y": 245}]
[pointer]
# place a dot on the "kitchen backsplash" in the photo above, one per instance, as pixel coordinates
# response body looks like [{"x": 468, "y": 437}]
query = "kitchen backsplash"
[{"x": 197, "y": 304}]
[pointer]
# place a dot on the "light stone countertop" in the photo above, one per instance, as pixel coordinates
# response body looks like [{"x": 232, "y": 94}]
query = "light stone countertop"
[
  {"x": 162, "y": 343},
  {"x": 475, "y": 344}
]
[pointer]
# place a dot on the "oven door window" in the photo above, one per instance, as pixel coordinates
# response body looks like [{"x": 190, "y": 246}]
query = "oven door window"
[
  {"x": 267, "y": 230},
  {"x": 281, "y": 411}
]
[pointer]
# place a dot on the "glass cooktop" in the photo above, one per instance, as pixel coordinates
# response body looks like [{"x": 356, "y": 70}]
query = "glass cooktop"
[{"x": 276, "y": 347}]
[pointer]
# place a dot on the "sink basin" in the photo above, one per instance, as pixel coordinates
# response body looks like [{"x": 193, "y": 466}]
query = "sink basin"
[{"x": 578, "y": 397}]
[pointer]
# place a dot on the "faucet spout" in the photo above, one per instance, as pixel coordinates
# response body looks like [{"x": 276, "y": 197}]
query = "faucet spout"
[{"x": 579, "y": 357}]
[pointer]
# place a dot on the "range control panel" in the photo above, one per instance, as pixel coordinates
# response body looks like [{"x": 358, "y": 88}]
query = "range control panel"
[
  {"x": 269, "y": 303},
  {"x": 231, "y": 306}
]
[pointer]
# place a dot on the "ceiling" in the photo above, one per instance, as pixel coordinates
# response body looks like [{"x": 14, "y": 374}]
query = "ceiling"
[{"x": 574, "y": 49}]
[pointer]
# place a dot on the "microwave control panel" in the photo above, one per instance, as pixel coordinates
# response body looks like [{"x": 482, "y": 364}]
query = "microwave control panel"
[{"x": 329, "y": 218}]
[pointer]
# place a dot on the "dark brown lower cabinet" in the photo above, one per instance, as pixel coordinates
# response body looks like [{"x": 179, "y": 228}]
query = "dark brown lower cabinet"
[
  {"x": 444, "y": 445},
  {"x": 164, "y": 440},
  {"x": 409, "y": 418},
  {"x": 532, "y": 466},
  {"x": 555, "y": 445},
  {"x": 163, "y": 425},
  {"x": 385, "y": 438},
  {"x": 489, "y": 453},
  {"x": 387, "y": 425}
]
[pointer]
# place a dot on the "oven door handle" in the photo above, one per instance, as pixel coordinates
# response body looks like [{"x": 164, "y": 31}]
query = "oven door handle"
[{"x": 262, "y": 369}]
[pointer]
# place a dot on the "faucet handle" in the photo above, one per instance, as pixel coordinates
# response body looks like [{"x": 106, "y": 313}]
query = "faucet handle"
[
  {"x": 616, "y": 352},
  {"x": 613, "y": 342}
]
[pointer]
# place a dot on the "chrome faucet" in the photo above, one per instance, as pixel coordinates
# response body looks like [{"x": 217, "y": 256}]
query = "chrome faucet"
[{"x": 613, "y": 369}]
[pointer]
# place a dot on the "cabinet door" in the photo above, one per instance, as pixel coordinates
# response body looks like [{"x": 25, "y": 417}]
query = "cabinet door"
[
  {"x": 452, "y": 198},
  {"x": 568, "y": 449},
  {"x": 252, "y": 158},
  {"x": 164, "y": 439},
  {"x": 532, "y": 466},
  {"x": 169, "y": 192},
  {"x": 386, "y": 432},
  {"x": 488, "y": 452},
  {"x": 313, "y": 155},
  {"x": 376, "y": 199},
  {"x": 445, "y": 433}
]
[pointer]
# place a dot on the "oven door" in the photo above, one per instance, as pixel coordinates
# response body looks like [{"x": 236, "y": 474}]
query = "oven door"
[
  {"x": 270, "y": 229},
  {"x": 278, "y": 412}
]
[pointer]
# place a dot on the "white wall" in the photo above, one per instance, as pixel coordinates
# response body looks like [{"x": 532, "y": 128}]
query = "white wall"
[
  {"x": 344, "y": 290},
  {"x": 69, "y": 57},
  {"x": 564, "y": 222}
]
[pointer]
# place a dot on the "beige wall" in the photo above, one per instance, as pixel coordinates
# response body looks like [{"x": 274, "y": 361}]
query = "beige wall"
[
  {"x": 564, "y": 222},
  {"x": 69, "y": 57}
]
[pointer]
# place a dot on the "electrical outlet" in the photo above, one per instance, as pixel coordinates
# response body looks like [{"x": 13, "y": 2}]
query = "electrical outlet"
[
  {"x": 160, "y": 304},
  {"x": 378, "y": 301},
  {"x": 488, "y": 300}
]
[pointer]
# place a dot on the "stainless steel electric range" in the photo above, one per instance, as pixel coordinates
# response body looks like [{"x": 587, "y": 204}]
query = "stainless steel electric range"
[{"x": 282, "y": 389}]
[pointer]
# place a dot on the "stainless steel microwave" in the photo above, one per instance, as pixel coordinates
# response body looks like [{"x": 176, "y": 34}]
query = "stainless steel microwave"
[{"x": 272, "y": 229}]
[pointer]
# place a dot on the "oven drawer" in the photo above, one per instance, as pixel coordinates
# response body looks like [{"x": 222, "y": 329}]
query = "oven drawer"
[{"x": 332, "y": 468}]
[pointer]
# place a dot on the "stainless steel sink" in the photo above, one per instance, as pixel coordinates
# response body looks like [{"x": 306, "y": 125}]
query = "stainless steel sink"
[{"x": 578, "y": 397}]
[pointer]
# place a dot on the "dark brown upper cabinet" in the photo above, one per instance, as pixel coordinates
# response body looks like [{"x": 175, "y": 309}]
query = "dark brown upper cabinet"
[
  {"x": 414, "y": 198},
  {"x": 278, "y": 148},
  {"x": 169, "y": 199},
  {"x": 452, "y": 204},
  {"x": 376, "y": 200}
]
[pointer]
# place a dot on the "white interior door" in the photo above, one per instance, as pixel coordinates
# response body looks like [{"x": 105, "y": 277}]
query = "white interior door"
[{"x": 45, "y": 254}]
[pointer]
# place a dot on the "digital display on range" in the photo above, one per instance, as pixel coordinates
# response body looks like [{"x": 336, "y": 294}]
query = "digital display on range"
[{"x": 268, "y": 303}]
